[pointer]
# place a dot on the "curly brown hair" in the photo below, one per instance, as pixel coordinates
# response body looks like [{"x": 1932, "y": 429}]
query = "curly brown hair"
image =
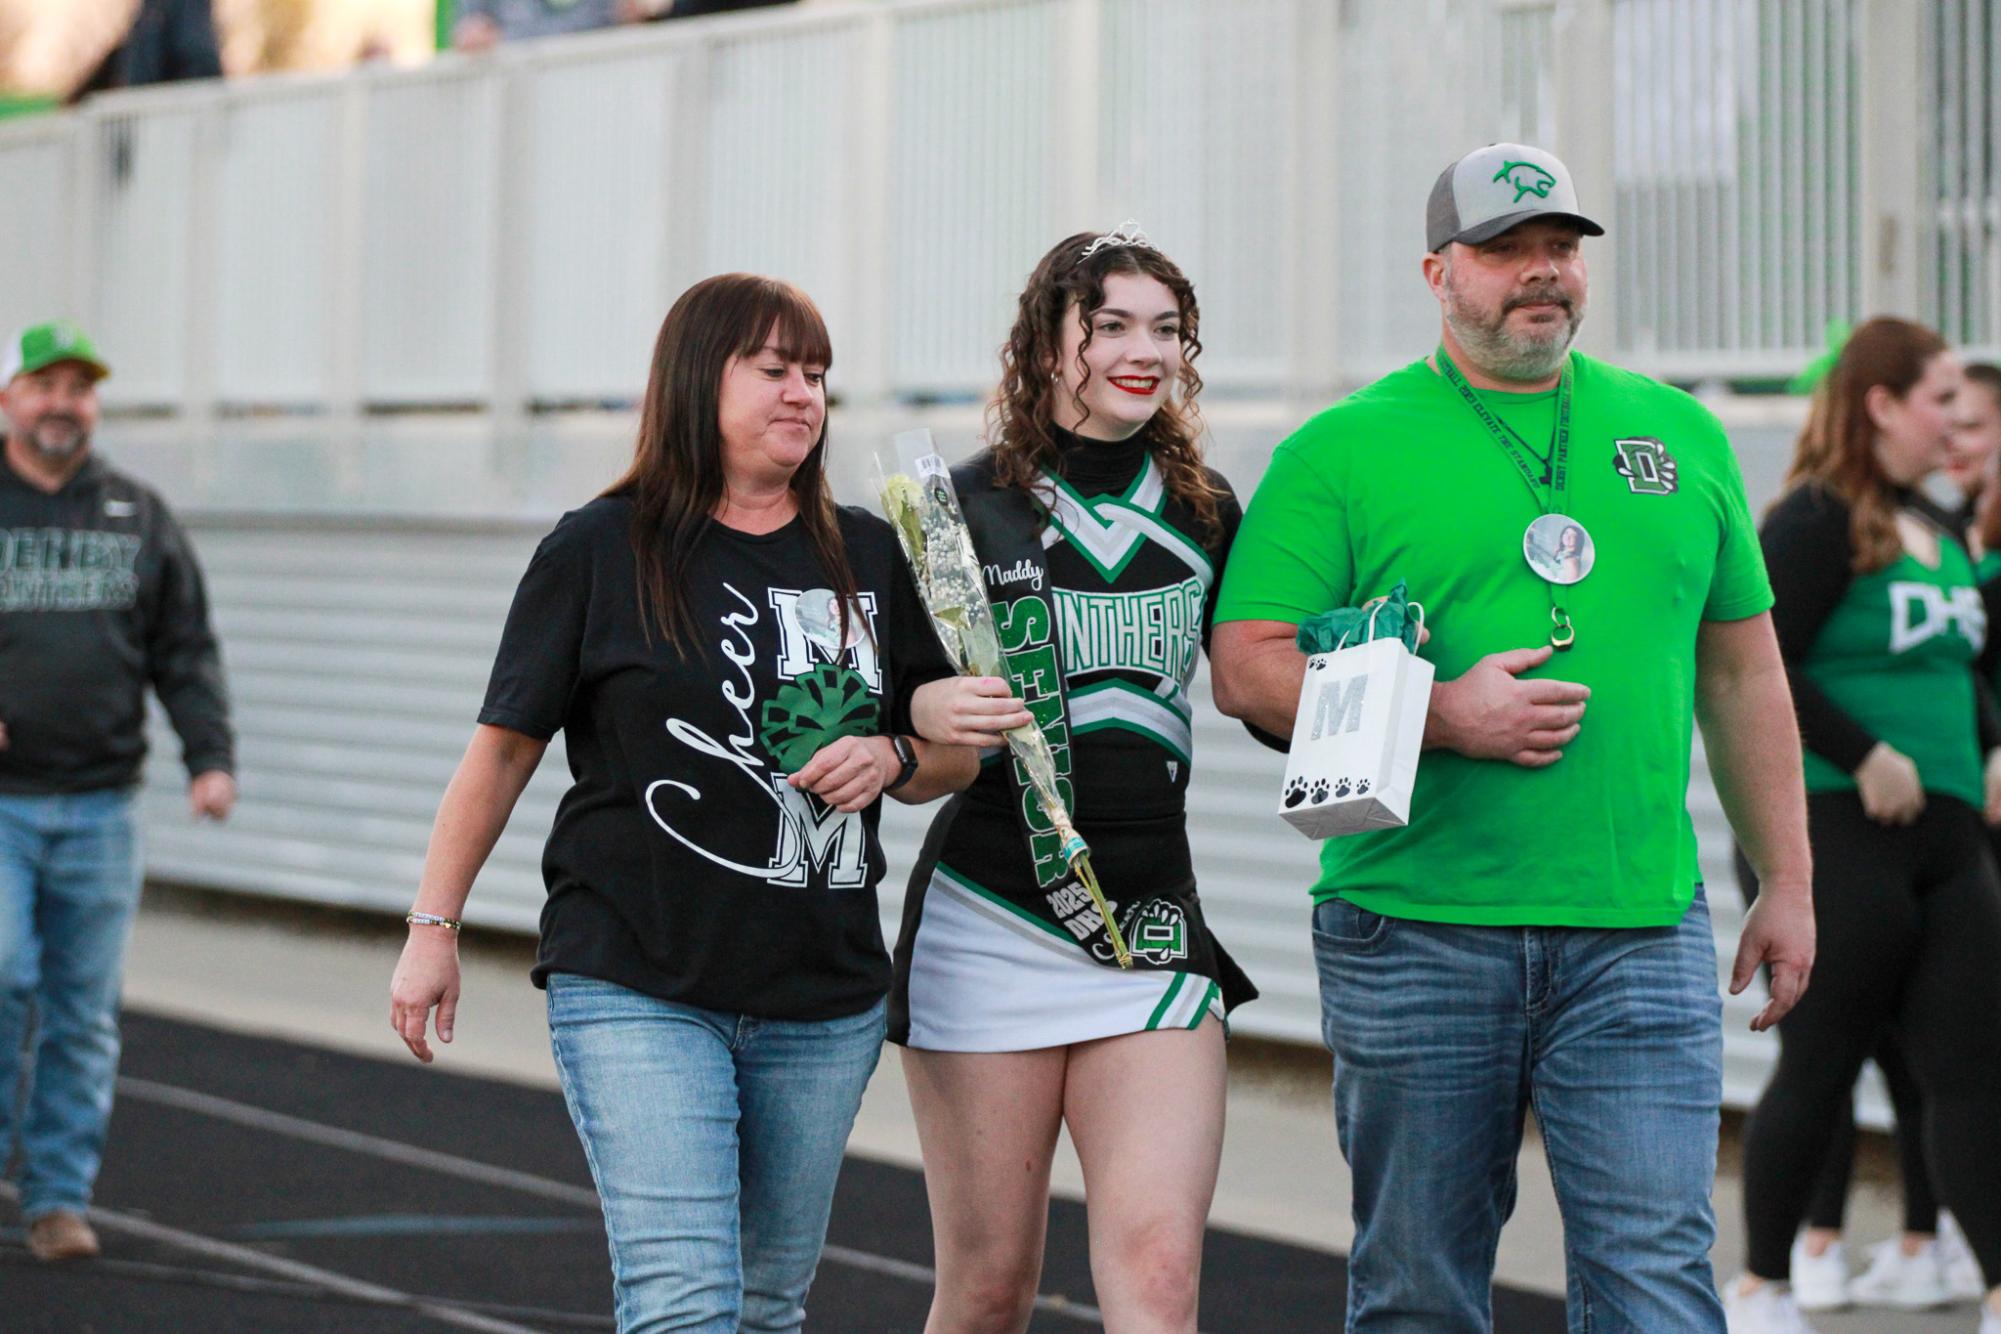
[
  {"x": 1022, "y": 414},
  {"x": 1837, "y": 447}
]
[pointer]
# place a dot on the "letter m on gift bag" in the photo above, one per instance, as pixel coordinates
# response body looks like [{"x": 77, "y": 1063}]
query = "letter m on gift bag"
[{"x": 1337, "y": 706}]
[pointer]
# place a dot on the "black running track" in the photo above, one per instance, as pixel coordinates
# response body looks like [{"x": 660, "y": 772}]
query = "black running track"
[{"x": 259, "y": 1185}]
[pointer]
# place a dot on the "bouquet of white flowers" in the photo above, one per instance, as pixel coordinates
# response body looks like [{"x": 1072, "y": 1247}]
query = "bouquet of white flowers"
[{"x": 922, "y": 507}]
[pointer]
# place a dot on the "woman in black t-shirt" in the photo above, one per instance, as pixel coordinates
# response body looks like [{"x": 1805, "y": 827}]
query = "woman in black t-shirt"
[{"x": 731, "y": 659}]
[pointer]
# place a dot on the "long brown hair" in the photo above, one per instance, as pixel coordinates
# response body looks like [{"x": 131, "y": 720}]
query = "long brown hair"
[
  {"x": 1021, "y": 416},
  {"x": 1837, "y": 447},
  {"x": 676, "y": 477},
  {"x": 1987, "y": 508}
]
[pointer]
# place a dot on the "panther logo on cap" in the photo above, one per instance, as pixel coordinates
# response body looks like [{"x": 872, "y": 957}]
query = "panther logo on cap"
[{"x": 1527, "y": 178}]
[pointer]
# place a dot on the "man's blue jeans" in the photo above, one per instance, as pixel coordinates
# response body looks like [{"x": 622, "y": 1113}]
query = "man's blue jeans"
[
  {"x": 715, "y": 1141},
  {"x": 69, "y": 886},
  {"x": 1444, "y": 1035}
]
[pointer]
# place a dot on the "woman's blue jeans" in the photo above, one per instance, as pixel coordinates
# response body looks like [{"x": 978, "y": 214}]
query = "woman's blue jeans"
[{"x": 715, "y": 1140}]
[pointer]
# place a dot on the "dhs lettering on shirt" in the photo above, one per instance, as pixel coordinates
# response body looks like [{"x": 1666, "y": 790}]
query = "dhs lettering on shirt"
[{"x": 1921, "y": 612}]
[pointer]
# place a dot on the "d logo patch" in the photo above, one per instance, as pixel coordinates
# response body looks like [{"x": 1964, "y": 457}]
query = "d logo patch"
[{"x": 1646, "y": 465}]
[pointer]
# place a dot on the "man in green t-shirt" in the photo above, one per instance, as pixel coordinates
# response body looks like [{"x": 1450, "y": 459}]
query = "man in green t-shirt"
[{"x": 1536, "y": 935}]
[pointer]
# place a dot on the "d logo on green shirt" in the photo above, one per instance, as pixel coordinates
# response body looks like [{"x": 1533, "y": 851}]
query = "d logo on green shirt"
[{"x": 1646, "y": 465}]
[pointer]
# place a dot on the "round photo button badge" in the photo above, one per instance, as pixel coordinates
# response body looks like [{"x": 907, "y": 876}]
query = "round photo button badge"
[{"x": 1559, "y": 549}]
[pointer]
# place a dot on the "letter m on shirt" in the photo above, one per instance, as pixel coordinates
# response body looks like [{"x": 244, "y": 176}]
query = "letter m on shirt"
[{"x": 814, "y": 836}]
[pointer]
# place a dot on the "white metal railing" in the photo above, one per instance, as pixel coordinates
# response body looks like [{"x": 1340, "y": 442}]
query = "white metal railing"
[
  {"x": 505, "y": 233},
  {"x": 1736, "y": 158},
  {"x": 35, "y": 165},
  {"x": 1963, "y": 235}
]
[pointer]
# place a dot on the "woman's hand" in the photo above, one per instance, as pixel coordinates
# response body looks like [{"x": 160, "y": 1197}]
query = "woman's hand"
[
  {"x": 1992, "y": 786},
  {"x": 1888, "y": 783},
  {"x": 426, "y": 975},
  {"x": 966, "y": 711},
  {"x": 849, "y": 773}
]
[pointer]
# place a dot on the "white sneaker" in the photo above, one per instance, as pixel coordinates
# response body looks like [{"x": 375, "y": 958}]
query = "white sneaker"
[
  {"x": 1770, "y": 1309},
  {"x": 1820, "y": 1282},
  {"x": 1904, "y": 1282},
  {"x": 1962, "y": 1272}
]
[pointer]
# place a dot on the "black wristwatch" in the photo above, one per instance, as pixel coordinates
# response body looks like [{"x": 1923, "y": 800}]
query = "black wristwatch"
[{"x": 906, "y": 753}]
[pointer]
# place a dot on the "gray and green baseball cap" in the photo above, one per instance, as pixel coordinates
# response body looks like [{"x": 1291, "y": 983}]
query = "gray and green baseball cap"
[
  {"x": 41, "y": 345},
  {"x": 1497, "y": 187}
]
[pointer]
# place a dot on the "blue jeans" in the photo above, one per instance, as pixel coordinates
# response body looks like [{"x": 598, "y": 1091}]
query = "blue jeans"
[
  {"x": 69, "y": 886},
  {"x": 1443, "y": 1036},
  {"x": 715, "y": 1141}
]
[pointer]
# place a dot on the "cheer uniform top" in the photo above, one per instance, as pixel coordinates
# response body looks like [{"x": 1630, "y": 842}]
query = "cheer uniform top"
[
  {"x": 1103, "y": 609},
  {"x": 1885, "y": 656}
]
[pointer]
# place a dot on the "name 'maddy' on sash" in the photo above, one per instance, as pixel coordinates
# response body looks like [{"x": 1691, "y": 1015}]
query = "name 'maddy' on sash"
[{"x": 938, "y": 539}]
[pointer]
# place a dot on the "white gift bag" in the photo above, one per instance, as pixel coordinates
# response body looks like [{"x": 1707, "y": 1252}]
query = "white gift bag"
[{"x": 1356, "y": 741}]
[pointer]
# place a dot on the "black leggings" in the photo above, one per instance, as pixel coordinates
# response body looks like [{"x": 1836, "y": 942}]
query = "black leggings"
[
  {"x": 1830, "y": 1192},
  {"x": 1829, "y": 1205},
  {"x": 1910, "y": 935}
]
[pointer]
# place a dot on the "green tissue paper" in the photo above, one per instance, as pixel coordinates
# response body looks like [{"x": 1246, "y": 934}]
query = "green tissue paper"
[{"x": 1391, "y": 617}]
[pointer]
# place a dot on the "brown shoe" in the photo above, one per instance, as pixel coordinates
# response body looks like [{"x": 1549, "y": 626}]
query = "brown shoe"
[{"x": 63, "y": 1235}]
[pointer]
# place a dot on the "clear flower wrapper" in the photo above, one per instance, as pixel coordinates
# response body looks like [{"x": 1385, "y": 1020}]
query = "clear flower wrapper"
[{"x": 919, "y": 501}]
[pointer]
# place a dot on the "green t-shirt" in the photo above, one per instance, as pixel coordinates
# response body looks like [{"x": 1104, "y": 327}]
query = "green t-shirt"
[
  {"x": 1400, "y": 481},
  {"x": 1985, "y": 571},
  {"x": 1896, "y": 654}
]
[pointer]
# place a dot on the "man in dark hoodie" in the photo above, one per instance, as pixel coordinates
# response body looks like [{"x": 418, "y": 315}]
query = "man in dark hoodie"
[{"x": 99, "y": 596}]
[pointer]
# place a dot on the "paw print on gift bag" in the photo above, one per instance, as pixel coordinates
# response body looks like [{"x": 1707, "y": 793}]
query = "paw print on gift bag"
[
  {"x": 1295, "y": 792},
  {"x": 1361, "y": 787},
  {"x": 1342, "y": 787},
  {"x": 1319, "y": 790}
]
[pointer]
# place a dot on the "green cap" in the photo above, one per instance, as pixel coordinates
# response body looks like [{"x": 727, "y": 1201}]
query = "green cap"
[{"x": 41, "y": 345}]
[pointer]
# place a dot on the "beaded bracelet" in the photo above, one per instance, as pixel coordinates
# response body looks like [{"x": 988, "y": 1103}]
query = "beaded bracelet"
[{"x": 432, "y": 919}]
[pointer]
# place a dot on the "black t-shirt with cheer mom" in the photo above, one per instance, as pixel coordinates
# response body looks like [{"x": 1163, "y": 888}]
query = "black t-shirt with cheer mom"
[{"x": 681, "y": 864}]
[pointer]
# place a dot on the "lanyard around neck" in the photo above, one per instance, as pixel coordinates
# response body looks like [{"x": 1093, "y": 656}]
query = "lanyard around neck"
[{"x": 1550, "y": 489}]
